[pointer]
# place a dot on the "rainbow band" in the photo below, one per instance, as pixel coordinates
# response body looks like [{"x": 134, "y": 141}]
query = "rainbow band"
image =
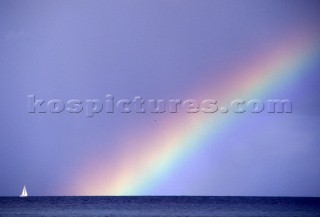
[{"x": 282, "y": 65}]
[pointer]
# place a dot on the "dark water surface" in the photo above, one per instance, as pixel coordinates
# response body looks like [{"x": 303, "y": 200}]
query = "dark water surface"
[{"x": 159, "y": 206}]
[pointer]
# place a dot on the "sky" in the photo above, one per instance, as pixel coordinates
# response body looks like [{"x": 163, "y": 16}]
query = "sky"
[{"x": 161, "y": 49}]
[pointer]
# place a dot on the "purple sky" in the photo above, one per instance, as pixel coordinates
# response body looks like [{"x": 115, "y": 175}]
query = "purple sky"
[{"x": 155, "y": 49}]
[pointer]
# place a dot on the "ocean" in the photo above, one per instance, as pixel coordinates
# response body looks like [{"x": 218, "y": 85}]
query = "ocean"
[{"x": 159, "y": 206}]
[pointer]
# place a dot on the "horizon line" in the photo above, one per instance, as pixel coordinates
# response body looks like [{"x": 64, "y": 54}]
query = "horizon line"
[{"x": 169, "y": 195}]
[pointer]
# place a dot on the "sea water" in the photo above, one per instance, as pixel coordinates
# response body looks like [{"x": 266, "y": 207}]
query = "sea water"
[{"x": 159, "y": 206}]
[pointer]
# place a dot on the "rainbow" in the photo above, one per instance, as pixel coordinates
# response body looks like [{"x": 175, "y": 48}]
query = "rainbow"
[{"x": 161, "y": 152}]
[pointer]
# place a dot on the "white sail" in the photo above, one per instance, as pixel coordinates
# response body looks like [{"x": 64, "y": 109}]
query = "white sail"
[{"x": 24, "y": 192}]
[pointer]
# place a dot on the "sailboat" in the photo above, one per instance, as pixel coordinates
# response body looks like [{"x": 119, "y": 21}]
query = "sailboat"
[{"x": 24, "y": 192}]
